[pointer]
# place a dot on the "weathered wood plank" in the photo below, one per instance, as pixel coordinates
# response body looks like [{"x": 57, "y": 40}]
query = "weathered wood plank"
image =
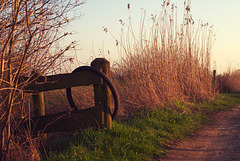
[
  {"x": 64, "y": 121},
  {"x": 60, "y": 81},
  {"x": 74, "y": 120}
]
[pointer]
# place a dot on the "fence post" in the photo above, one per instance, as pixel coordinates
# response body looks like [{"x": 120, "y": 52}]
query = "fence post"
[
  {"x": 38, "y": 103},
  {"x": 102, "y": 93},
  {"x": 214, "y": 80},
  {"x": 38, "y": 99}
]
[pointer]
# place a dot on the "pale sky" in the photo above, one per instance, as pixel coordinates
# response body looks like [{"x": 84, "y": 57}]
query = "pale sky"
[{"x": 222, "y": 14}]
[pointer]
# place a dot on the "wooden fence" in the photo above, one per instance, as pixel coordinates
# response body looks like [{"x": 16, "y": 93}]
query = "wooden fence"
[{"x": 72, "y": 120}]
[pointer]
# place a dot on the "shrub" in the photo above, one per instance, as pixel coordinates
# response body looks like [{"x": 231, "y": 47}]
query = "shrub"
[
  {"x": 29, "y": 32},
  {"x": 229, "y": 82}
]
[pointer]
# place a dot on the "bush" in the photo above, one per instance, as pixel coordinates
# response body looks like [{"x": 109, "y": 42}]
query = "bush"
[
  {"x": 30, "y": 30},
  {"x": 229, "y": 82}
]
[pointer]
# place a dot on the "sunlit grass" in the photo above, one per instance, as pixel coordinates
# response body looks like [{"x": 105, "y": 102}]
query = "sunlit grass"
[{"x": 141, "y": 137}]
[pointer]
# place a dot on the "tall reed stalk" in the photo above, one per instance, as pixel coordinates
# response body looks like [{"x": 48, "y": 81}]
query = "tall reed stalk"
[{"x": 165, "y": 62}]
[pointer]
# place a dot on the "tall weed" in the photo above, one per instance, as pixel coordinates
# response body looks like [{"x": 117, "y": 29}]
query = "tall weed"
[
  {"x": 229, "y": 82},
  {"x": 165, "y": 62}
]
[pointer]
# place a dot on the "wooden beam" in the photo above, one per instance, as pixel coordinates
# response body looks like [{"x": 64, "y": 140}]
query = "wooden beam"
[
  {"x": 60, "y": 81},
  {"x": 64, "y": 121}
]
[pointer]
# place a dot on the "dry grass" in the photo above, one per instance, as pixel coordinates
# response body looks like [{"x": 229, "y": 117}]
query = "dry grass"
[
  {"x": 56, "y": 101},
  {"x": 229, "y": 82},
  {"x": 165, "y": 63},
  {"x": 169, "y": 62}
]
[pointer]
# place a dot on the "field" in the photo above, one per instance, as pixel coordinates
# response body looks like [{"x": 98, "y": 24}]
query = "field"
[
  {"x": 164, "y": 79},
  {"x": 167, "y": 92},
  {"x": 146, "y": 135}
]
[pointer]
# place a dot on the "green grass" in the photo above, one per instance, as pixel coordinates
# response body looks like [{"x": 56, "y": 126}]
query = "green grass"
[{"x": 141, "y": 137}]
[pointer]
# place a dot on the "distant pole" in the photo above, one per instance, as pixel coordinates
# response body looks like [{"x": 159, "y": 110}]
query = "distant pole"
[
  {"x": 214, "y": 80},
  {"x": 102, "y": 92}
]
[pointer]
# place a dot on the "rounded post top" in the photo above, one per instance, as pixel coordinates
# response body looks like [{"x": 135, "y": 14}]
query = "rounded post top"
[
  {"x": 102, "y": 64},
  {"x": 101, "y": 60}
]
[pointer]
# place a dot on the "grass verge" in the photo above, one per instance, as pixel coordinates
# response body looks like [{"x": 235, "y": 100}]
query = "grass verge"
[{"x": 141, "y": 137}]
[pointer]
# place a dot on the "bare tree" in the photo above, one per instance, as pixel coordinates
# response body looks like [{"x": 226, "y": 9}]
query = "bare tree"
[{"x": 29, "y": 29}]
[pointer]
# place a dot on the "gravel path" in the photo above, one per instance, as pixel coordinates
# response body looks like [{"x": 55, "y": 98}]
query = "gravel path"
[{"x": 217, "y": 141}]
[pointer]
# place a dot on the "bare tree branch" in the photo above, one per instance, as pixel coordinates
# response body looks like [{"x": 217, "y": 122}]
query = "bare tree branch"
[{"x": 29, "y": 29}]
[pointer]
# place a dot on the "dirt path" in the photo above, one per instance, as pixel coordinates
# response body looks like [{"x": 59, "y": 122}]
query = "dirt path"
[{"x": 217, "y": 141}]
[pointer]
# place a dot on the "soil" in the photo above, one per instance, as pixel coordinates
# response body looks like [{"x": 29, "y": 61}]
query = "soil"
[{"x": 219, "y": 140}]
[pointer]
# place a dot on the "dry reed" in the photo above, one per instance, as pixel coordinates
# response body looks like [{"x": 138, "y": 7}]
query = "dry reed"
[
  {"x": 229, "y": 82},
  {"x": 162, "y": 64},
  {"x": 165, "y": 63}
]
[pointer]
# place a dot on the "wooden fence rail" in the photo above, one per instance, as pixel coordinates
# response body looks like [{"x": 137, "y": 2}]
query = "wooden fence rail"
[{"x": 71, "y": 120}]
